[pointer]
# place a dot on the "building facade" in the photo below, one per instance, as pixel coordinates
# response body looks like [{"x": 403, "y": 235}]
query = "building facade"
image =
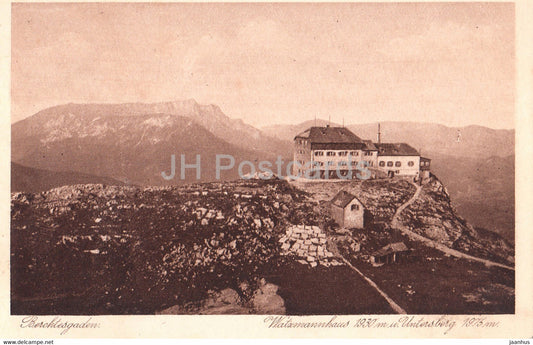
[
  {"x": 322, "y": 151},
  {"x": 326, "y": 152},
  {"x": 347, "y": 211},
  {"x": 425, "y": 167},
  {"x": 398, "y": 159}
]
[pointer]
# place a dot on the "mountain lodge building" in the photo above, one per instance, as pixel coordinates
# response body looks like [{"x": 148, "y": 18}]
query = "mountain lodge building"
[{"x": 322, "y": 150}]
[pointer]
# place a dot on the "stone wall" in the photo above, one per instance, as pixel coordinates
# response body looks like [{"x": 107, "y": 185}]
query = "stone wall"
[{"x": 309, "y": 244}]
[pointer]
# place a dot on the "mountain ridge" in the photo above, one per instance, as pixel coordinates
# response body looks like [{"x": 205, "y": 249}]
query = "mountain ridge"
[
  {"x": 469, "y": 141},
  {"x": 132, "y": 149},
  {"x": 234, "y": 131}
]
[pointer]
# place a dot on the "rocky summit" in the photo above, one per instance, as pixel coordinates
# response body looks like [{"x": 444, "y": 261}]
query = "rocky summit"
[{"x": 247, "y": 246}]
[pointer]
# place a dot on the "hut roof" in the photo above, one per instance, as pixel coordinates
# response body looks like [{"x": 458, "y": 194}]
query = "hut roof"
[{"x": 391, "y": 248}]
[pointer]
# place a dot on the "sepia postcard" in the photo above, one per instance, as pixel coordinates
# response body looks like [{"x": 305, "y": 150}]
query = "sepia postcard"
[{"x": 293, "y": 170}]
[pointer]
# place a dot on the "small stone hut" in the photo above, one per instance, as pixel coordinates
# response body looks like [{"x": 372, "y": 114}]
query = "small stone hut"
[
  {"x": 391, "y": 253},
  {"x": 348, "y": 211}
]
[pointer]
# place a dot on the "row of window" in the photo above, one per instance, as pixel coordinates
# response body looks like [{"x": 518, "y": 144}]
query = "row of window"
[
  {"x": 333, "y": 163},
  {"x": 342, "y": 153},
  {"x": 396, "y": 164},
  {"x": 301, "y": 142}
]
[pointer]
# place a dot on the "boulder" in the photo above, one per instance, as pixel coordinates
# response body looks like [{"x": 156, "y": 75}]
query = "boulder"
[
  {"x": 267, "y": 301},
  {"x": 229, "y": 296}
]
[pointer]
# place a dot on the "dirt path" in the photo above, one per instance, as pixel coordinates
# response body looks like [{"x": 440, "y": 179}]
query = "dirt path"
[
  {"x": 395, "y": 223},
  {"x": 389, "y": 300}
]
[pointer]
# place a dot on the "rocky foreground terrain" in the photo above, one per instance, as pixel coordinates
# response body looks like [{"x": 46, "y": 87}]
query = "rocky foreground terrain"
[
  {"x": 230, "y": 248},
  {"x": 432, "y": 215}
]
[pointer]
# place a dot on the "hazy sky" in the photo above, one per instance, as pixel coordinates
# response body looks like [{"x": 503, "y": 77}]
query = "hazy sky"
[{"x": 273, "y": 63}]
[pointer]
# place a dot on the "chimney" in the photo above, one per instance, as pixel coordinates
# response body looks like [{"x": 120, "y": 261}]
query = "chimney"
[{"x": 379, "y": 133}]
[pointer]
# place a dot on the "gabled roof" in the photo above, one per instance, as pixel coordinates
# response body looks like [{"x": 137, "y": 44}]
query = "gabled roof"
[
  {"x": 370, "y": 145},
  {"x": 396, "y": 149},
  {"x": 343, "y": 198},
  {"x": 391, "y": 248},
  {"x": 329, "y": 135}
]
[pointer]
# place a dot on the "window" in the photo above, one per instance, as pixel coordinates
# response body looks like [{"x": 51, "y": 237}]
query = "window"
[
  {"x": 398, "y": 164},
  {"x": 330, "y": 153},
  {"x": 390, "y": 163},
  {"x": 319, "y": 153},
  {"x": 354, "y": 153},
  {"x": 410, "y": 163},
  {"x": 382, "y": 163},
  {"x": 355, "y": 207},
  {"x": 354, "y": 163},
  {"x": 343, "y": 153}
]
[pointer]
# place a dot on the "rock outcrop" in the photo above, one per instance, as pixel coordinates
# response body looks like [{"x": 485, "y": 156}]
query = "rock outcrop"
[{"x": 264, "y": 300}]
